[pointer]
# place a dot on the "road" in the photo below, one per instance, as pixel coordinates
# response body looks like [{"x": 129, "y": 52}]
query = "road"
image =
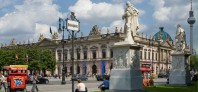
[{"x": 55, "y": 85}]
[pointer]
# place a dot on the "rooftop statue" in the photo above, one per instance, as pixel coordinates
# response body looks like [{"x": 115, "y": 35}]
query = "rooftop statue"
[
  {"x": 55, "y": 36},
  {"x": 180, "y": 39},
  {"x": 13, "y": 42},
  {"x": 41, "y": 37},
  {"x": 131, "y": 22},
  {"x": 95, "y": 31}
]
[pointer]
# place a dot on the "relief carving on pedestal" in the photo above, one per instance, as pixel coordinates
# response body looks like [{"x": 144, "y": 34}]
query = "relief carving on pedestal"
[
  {"x": 120, "y": 60},
  {"x": 134, "y": 60}
]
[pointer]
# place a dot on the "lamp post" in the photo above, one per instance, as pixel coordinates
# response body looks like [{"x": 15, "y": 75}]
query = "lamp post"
[
  {"x": 62, "y": 29},
  {"x": 73, "y": 25},
  {"x": 194, "y": 52},
  {"x": 151, "y": 44}
]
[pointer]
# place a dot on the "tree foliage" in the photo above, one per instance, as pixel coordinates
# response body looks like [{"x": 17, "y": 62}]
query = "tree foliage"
[
  {"x": 38, "y": 59},
  {"x": 193, "y": 61}
]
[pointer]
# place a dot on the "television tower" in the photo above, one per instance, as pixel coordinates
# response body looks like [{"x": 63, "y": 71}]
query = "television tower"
[{"x": 191, "y": 20}]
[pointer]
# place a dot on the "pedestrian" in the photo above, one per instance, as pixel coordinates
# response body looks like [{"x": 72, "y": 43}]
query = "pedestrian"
[
  {"x": 34, "y": 80},
  {"x": 192, "y": 72},
  {"x": 105, "y": 84},
  {"x": 148, "y": 75},
  {"x": 81, "y": 87},
  {"x": 2, "y": 81}
]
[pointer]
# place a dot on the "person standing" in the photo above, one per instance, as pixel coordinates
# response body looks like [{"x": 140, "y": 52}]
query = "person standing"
[
  {"x": 81, "y": 87},
  {"x": 34, "y": 80},
  {"x": 2, "y": 81}
]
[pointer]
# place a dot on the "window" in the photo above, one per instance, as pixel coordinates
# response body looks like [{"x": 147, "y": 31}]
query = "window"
[
  {"x": 70, "y": 54},
  {"x": 144, "y": 54},
  {"x": 146, "y": 65},
  {"x": 85, "y": 54},
  {"x": 156, "y": 56},
  {"x": 78, "y": 54},
  {"x": 94, "y": 54},
  {"x": 149, "y": 55},
  {"x": 103, "y": 53},
  {"x": 140, "y": 54},
  {"x": 59, "y": 54},
  {"x": 65, "y": 54},
  {"x": 111, "y": 52},
  {"x": 152, "y": 56}
]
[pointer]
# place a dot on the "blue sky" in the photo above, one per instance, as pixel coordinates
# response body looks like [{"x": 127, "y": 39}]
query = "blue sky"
[{"x": 26, "y": 19}]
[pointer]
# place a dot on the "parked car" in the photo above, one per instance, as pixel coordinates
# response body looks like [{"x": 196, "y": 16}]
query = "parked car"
[
  {"x": 41, "y": 80},
  {"x": 101, "y": 77},
  {"x": 81, "y": 77},
  {"x": 162, "y": 75}
]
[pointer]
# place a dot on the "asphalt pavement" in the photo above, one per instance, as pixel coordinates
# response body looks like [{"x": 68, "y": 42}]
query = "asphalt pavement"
[{"x": 56, "y": 86}]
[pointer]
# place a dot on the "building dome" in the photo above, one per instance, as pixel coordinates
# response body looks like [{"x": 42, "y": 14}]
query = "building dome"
[{"x": 162, "y": 35}]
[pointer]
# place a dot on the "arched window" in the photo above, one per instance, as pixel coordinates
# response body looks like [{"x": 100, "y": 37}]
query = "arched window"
[
  {"x": 78, "y": 69},
  {"x": 94, "y": 69}
]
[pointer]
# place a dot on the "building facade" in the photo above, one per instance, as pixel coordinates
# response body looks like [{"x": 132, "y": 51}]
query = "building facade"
[{"x": 93, "y": 53}]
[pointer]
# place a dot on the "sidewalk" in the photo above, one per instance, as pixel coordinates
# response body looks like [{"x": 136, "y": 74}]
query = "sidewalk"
[{"x": 63, "y": 88}]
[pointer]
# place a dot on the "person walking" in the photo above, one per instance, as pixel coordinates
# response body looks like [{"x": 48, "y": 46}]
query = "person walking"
[
  {"x": 105, "y": 84},
  {"x": 81, "y": 87},
  {"x": 34, "y": 80},
  {"x": 2, "y": 81}
]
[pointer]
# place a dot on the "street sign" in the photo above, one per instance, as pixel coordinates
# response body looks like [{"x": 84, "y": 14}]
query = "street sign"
[{"x": 72, "y": 25}]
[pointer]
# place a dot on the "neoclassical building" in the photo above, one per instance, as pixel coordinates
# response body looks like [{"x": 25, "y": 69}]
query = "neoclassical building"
[{"x": 93, "y": 53}]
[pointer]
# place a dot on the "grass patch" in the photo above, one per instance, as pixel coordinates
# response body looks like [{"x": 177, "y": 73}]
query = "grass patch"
[
  {"x": 167, "y": 88},
  {"x": 191, "y": 88}
]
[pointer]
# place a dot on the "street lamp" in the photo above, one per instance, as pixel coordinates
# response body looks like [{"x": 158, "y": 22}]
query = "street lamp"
[
  {"x": 73, "y": 25},
  {"x": 151, "y": 44},
  {"x": 60, "y": 30}
]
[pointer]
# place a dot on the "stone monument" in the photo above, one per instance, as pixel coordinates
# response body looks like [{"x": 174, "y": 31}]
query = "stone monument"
[
  {"x": 126, "y": 75},
  {"x": 180, "y": 74}
]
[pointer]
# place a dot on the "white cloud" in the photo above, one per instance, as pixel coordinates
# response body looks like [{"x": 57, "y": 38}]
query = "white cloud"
[
  {"x": 44, "y": 29},
  {"x": 141, "y": 12},
  {"x": 97, "y": 12},
  {"x": 117, "y": 23},
  {"x": 143, "y": 28},
  {"x": 120, "y": 24},
  {"x": 124, "y": 1},
  {"x": 25, "y": 20},
  {"x": 169, "y": 13}
]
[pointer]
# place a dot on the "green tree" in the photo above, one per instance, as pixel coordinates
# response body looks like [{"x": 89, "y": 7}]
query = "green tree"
[
  {"x": 38, "y": 59},
  {"x": 193, "y": 62},
  {"x": 48, "y": 61}
]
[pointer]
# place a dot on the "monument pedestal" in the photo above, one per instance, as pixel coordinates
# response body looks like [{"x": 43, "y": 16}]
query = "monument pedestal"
[
  {"x": 126, "y": 75},
  {"x": 180, "y": 74},
  {"x": 126, "y": 80}
]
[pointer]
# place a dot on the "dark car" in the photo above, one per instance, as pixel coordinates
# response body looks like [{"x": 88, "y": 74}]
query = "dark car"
[
  {"x": 81, "y": 77},
  {"x": 162, "y": 75},
  {"x": 41, "y": 80},
  {"x": 101, "y": 77}
]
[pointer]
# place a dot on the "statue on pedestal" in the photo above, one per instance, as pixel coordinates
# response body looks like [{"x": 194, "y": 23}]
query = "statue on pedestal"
[
  {"x": 180, "y": 39},
  {"x": 131, "y": 21}
]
